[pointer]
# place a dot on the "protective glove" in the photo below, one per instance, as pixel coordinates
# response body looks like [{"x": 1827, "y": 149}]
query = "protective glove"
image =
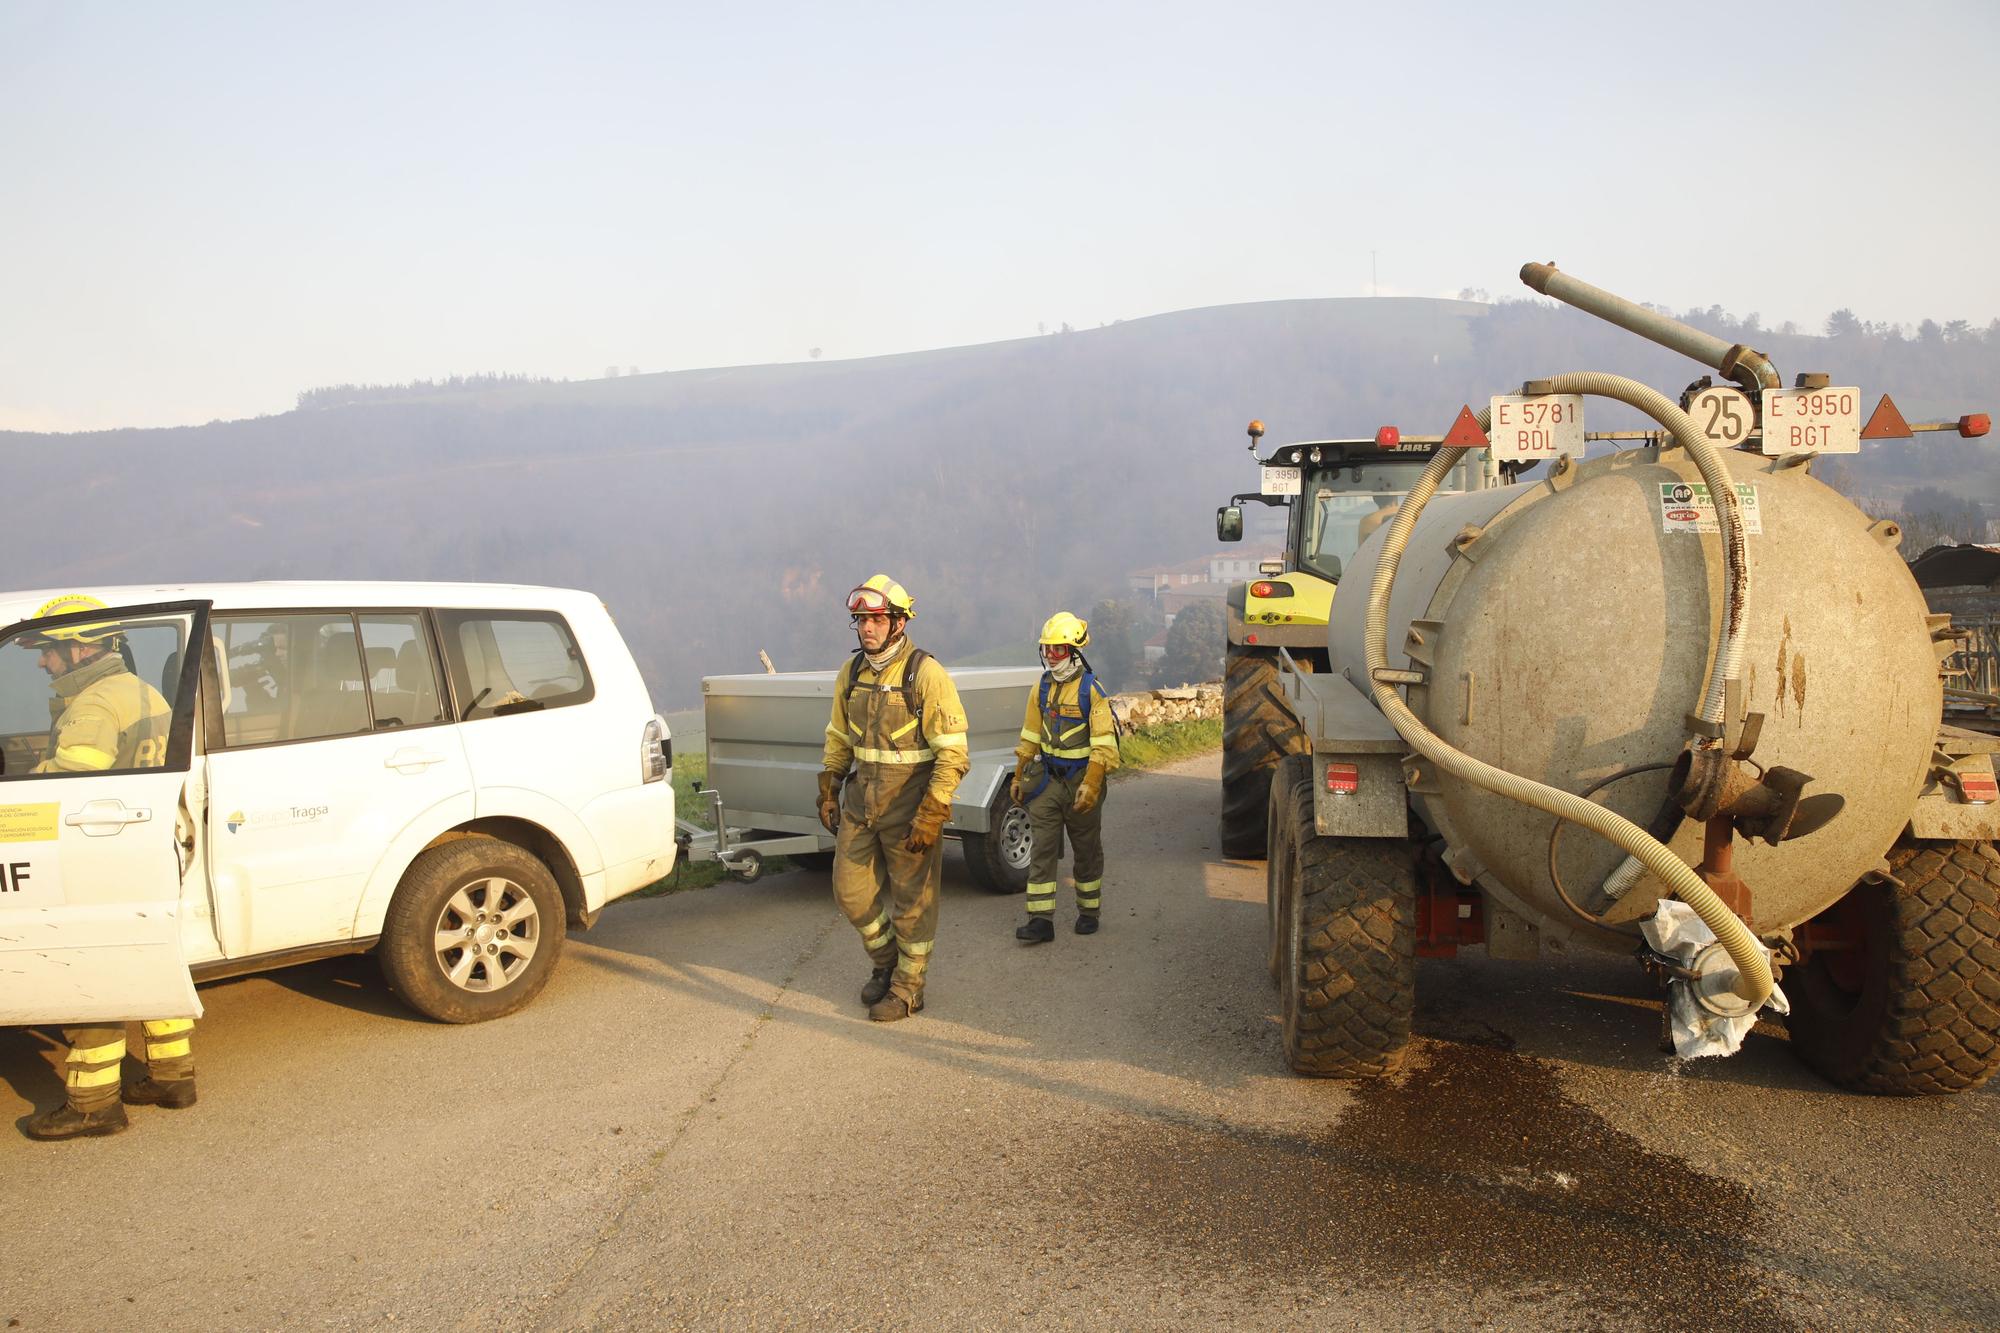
[
  {"x": 924, "y": 829},
  {"x": 1091, "y": 790},
  {"x": 829, "y": 800}
]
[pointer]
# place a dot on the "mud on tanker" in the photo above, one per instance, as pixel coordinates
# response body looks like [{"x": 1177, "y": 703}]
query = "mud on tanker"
[{"x": 1681, "y": 701}]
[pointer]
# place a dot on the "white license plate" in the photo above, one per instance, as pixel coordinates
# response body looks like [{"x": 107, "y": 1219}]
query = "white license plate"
[
  {"x": 1281, "y": 481},
  {"x": 1536, "y": 430},
  {"x": 1812, "y": 421}
]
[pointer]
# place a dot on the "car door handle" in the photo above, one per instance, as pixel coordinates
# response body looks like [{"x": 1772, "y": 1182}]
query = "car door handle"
[
  {"x": 411, "y": 760},
  {"x": 101, "y": 819}
]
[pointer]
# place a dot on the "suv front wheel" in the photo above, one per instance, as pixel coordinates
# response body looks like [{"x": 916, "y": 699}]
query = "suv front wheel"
[{"x": 473, "y": 931}]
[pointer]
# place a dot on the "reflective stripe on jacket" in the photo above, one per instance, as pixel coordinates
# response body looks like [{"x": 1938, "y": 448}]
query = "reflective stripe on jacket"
[
  {"x": 872, "y": 732},
  {"x": 1062, "y": 732}
]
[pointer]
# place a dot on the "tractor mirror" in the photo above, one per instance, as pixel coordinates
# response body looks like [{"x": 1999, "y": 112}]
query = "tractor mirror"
[{"x": 1229, "y": 523}]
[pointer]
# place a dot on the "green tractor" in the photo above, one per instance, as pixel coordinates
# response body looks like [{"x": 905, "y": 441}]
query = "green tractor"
[{"x": 1336, "y": 493}]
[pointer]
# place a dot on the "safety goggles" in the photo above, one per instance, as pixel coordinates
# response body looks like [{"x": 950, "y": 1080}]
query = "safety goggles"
[
  {"x": 868, "y": 602},
  {"x": 1055, "y": 652}
]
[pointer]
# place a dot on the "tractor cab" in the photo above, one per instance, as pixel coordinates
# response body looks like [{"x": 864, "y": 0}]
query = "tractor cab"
[{"x": 1336, "y": 493}]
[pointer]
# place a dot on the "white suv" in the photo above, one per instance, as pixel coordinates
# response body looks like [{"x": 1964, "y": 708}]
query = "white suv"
[{"x": 450, "y": 774}]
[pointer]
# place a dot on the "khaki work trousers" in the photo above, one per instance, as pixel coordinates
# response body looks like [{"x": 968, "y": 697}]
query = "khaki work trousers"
[
  {"x": 96, "y": 1053},
  {"x": 889, "y": 894},
  {"x": 1049, "y": 815}
]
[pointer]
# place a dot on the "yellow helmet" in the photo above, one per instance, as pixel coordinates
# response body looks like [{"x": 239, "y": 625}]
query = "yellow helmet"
[
  {"x": 70, "y": 604},
  {"x": 1066, "y": 629},
  {"x": 881, "y": 594}
]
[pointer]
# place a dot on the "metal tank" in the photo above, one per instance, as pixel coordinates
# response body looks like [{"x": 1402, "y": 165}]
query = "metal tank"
[{"x": 1565, "y": 634}]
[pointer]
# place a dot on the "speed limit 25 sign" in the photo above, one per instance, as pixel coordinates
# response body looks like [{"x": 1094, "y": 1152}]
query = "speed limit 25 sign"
[{"x": 1722, "y": 414}]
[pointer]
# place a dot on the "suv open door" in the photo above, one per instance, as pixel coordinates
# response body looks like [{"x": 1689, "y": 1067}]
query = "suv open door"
[{"x": 93, "y": 844}]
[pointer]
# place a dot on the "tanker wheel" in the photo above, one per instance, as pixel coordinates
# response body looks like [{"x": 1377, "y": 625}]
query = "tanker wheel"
[
  {"x": 1350, "y": 977},
  {"x": 1257, "y": 731},
  {"x": 1292, "y": 770},
  {"x": 1913, "y": 1007}
]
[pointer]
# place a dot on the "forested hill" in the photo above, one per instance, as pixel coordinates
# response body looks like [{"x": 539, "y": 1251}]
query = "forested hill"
[{"x": 723, "y": 511}]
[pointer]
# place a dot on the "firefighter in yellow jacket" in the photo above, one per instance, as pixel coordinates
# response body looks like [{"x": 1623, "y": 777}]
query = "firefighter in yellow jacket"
[
  {"x": 1069, "y": 742},
  {"x": 106, "y": 719},
  {"x": 896, "y": 744}
]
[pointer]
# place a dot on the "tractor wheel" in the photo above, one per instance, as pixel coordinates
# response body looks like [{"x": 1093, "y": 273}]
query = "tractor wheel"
[
  {"x": 1257, "y": 731},
  {"x": 1350, "y": 976},
  {"x": 1292, "y": 770},
  {"x": 1913, "y": 1007}
]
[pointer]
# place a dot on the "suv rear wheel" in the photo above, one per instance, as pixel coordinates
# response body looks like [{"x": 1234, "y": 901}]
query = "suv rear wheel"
[{"x": 473, "y": 931}]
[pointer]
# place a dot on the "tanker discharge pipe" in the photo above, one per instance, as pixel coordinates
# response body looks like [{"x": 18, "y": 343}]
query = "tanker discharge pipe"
[
  {"x": 1753, "y": 970},
  {"x": 1747, "y": 366}
]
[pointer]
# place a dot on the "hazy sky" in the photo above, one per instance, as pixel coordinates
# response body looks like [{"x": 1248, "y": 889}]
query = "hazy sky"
[{"x": 205, "y": 208}]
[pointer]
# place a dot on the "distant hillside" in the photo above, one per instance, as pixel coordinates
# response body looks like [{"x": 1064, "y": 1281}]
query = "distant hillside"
[{"x": 723, "y": 511}]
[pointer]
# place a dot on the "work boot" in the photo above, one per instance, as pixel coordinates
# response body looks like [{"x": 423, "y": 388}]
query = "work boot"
[
  {"x": 892, "y": 1007},
  {"x": 1086, "y": 923},
  {"x": 878, "y": 984},
  {"x": 174, "y": 1094},
  {"x": 66, "y": 1122},
  {"x": 1039, "y": 930}
]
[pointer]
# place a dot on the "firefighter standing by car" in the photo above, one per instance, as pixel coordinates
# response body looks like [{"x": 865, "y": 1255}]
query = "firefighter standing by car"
[
  {"x": 895, "y": 751},
  {"x": 106, "y": 719},
  {"x": 1069, "y": 743}
]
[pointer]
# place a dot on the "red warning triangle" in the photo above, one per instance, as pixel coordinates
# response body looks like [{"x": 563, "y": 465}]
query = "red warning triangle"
[
  {"x": 1886, "y": 424},
  {"x": 1465, "y": 433}
]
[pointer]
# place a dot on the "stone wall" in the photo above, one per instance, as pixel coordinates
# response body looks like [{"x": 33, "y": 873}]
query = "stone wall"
[{"x": 1151, "y": 708}]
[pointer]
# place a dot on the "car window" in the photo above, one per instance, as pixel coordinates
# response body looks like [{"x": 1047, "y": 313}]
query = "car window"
[
  {"x": 90, "y": 696},
  {"x": 512, "y": 662},
  {"x": 292, "y": 677},
  {"x": 402, "y": 677}
]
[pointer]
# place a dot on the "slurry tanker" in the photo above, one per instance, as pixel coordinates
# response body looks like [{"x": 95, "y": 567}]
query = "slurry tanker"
[{"x": 1680, "y": 701}]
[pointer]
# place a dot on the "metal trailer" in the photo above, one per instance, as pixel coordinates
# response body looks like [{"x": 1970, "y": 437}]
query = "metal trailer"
[{"x": 765, "y": 736}]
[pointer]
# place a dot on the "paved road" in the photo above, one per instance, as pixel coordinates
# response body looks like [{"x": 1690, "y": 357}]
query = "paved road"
[{"x": 695, "y": 1126}]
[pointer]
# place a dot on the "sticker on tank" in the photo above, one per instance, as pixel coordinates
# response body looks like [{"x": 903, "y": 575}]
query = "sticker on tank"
[{"x": 1685, "y": 506}]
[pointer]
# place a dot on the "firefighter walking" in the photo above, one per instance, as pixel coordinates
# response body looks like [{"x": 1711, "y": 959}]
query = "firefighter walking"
[
  {"x": 895, "y": 752},
  {"x": 106, "y": 720},
  {"x": 1069, "y": 743}
]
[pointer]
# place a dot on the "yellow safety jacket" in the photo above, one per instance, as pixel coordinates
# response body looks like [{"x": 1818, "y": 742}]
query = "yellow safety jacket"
[
  {"x": 1063, "y": 732},
  {"x": 106, "y": 719},
  {"x": 873, "y": 732}
]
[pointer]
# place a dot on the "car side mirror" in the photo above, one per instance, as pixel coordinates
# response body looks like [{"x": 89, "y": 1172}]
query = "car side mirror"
[{"x": 1229, "y": 523}]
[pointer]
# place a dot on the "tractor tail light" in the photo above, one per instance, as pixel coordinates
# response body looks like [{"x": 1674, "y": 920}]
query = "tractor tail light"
[
  {"x": 1343, "y": 779},
  {"x": 1388, "y": 437}
]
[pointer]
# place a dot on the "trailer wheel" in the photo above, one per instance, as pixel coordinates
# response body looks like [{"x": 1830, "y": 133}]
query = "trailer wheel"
[
  {"x": 1913, "y": 1007},
  {"x": 998, "y": 861},
  {"x": 1350, "y": 966},
  {"x": 1257, "y": 731},
  {"x": 473, "y": 931},
  {"x": 1290, "y": 772}
]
